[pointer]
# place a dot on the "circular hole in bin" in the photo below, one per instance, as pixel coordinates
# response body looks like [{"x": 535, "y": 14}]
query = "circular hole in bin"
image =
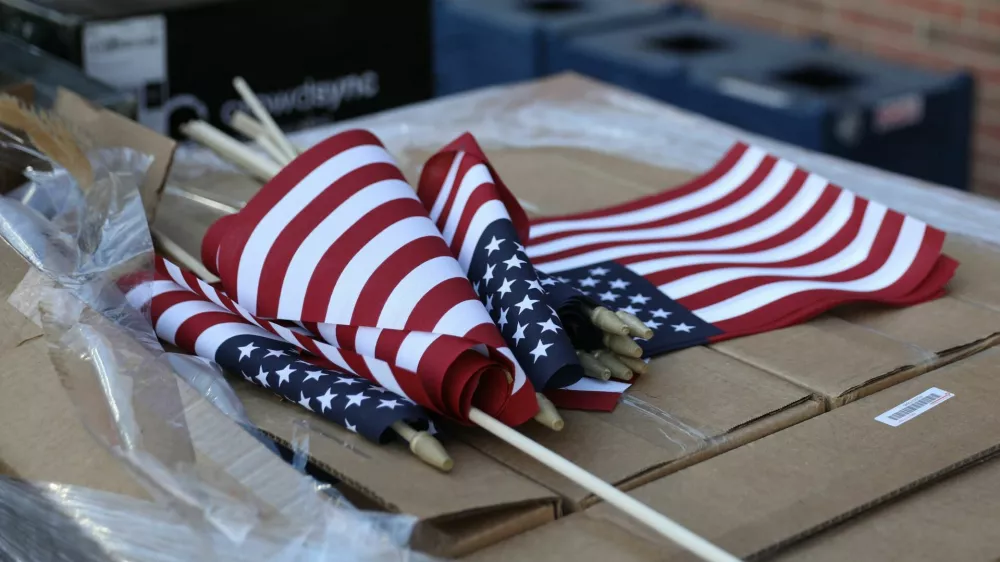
[
  {"x": 554, "y": 6},
  {"x": 819, "y": 77},
  {"x": 687, "y": 44}
]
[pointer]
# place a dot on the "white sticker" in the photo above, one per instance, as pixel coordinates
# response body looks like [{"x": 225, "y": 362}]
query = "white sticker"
[
  {"x": 897, "y": 113},
  {"x": 914, "y": 407},
  {"x": 754, "y": 93},
  {"x": 126, "y": 53}
]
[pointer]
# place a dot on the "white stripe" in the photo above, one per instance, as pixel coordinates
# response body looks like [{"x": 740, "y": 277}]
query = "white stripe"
[
  {"x": 486, "y": 215},
  {"x": 303, "y": 264},
  {"x": 772, "y": 185},
  {"x": 903, "y": 253},
  {"x": 209, "y": 341},
  {"x": 278, "y": 217},
  {"x": 519, "y": 377},
  {"x": 140, "y": 295},
  {"x": 365, "y": 340},
  {"x": 383, "y": 374},
  {"x": 361, "y": 267},
  {"x": 449, "y": 184},
  {"x": 594, "y": 385},
  {"x": 398, "y": 307},
  {"x": 173, "y": 317},
  {"x": 177, "y": 275},
  {"x": 830, "y": 223},
  {"x": 474, "y": 177},
  {"x": 851, "y": 255},
  {"x": 462, "y": 318},
  {"x": 411, "y": 351},
  {"x": 328, "y": 332},
  {"x": 729, "y": 182}
]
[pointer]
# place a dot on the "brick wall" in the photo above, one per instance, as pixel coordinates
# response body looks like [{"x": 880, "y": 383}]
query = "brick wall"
[{"x": 940, "y": 34}]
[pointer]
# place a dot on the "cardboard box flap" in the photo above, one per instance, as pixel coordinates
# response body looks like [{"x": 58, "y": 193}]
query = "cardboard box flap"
[
  {"x": 976, "y": 278},
  {"x": 685, "y": 406},
  {"x": 478, "y": 503},
  {"x": 796, "y": 482},
  {"x": 828, "y": 355},
  {"x": 109, "y": 129},
  {"x": 955, "y": 519}
]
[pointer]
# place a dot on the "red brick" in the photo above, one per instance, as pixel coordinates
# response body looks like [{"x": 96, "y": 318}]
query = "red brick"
[
  {"x": 944, "y": 8},
  {"x": 988, "y": 16},
  {"x": 875, "y": 22}
]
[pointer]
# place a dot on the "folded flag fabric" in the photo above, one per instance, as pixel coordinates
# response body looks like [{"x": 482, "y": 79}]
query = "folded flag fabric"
[
  {"x": 339, "y": 244},
  {"x": 755, "y": 244},
  {"x": 185, "y": 317},
  {"x": 483, "y": 225}
]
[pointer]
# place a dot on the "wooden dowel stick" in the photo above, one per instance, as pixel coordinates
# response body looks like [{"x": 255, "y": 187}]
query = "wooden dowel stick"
[
  {"x": 231, "y": 150},
  {"x": 176, "y": 253},
  {"x": 641, "y": 512},
  {"x": 547, "y": 414},
  {"x": 425, "y": 446},
  {"x": 636, "y": 327},
  {"x": 273, "y": 151},
  {"x": 610, "y": 360},
  {"x": 247, "y": 125},
  {"x": 637, "y": 365},
  {"x": 260, "y": 112}
]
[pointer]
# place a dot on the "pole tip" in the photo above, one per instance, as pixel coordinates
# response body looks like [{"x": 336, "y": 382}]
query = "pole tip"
[
  {"x": 428, "y": 449},
  {"x": 548, "y": 415}
]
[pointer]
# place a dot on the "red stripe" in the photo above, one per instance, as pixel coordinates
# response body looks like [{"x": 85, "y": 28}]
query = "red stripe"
[
  {"x": 433, "y": 177},
  {"x": 481, "y": 195},
  {"x": 579, "y": 400},
  {"x": 438, "y": 301},
  {"x": 463, "y": 168}
]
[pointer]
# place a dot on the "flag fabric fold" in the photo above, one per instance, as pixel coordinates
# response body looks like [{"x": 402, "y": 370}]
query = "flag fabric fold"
[
  {"x": 754, "y": 244},
  {"x": 184, "y": 315},
  {"x": 338, "y": 252}
]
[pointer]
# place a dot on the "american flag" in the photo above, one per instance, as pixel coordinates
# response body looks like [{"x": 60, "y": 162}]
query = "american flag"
[
  {"x": 754, "y": 244},
  {"x": 340, "y": 245},
  {"x": 196, "y": 324}
]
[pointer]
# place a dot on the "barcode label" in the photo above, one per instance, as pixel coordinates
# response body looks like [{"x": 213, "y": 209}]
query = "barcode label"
[{"x": 914, "y": 407}]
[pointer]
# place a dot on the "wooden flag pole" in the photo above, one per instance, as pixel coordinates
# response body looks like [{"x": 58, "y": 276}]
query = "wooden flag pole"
[
  {"x": 252, "y": 128},
  {"x": 262, "y": 115},
  {"x": 231, "y": 150},
  {"x": 631, "y": 506}
]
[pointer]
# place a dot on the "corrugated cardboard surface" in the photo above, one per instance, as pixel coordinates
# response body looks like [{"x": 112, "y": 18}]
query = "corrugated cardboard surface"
[
  {"x": 692, "y": 405},
  {"x": 479, "y": 503},
  {"x": 796, "y": 483},
  {"x": 977, "y": 279}
]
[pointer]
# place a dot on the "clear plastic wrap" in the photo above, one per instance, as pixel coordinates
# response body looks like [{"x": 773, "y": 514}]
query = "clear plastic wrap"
[{"x": 218, "y": 490}]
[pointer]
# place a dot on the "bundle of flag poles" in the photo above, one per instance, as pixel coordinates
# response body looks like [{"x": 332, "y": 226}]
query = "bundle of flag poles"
[{"x": 381, "y": 308}]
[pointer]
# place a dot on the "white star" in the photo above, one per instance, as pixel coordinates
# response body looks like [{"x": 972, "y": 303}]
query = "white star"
[
  {"x": 527, "y": 303},
  {"x": 639, "y": 299},
  {"x": 262, "y": 377},
  {"x": 475, "y": 286},
  {"x": 391, "y": 404},
  {"x": 562, "y": 280},
  {"x": 548, "y": 281},
  {"x": 519, "y": 247},
  {"x": 554, "y": 313},
  {"x": 514, "y": 261},
  {"x": 505, "y": 287},
  {"x": 246, "y": 376},
  {"x": 430, "y": 428},
  {"x": 682, "y": 327},
  {"x": 313, "y": 376},
  {"x": 549, "y": 326},
  {"x": 539, "y": 350},
  {"x": 489, "y": 302},
  {"x": 274, "y": 353},
  {"x": 588, "y": 282},
  {"x": 608, "y": 296},
  {"x": 503, "y": 317},
  {"x": 346, "y": 380},
  {"x": 619, "y": 284},
  {"x": 533, "y": 284},
  {"x": 355, "y": 399},
  {"x": 489, "y": 274},
  {"x": 247, "y": 350},
  {"x": 350, "y": 427},
  {"x": 378, "y": 389},
  {"x": 325, "y": 400},
  {"x": 519, "y": 334},
  {"x": 660, "y": 313},
  {"x": 599, "y": 271},
  {"x": 494, "y": 245},
  {"x": 284, "y": 373},
  {"x": 629, "y": 309},
  {"x": 304, "y": 401},
  {"x": 653, "y": 324}
]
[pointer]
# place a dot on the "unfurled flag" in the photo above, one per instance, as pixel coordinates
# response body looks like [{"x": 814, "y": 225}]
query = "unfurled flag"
[
  {"x": 340, "y": 245},
  {"x": 754, "y": 244},
  {"x": 198, "y": 325},
  {"x": 483, "y": 225}
]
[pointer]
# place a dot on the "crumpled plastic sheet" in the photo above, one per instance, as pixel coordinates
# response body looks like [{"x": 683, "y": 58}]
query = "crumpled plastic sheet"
[
  {"x": 171, "y": 419},
  {"x": 573, "y": 113}
]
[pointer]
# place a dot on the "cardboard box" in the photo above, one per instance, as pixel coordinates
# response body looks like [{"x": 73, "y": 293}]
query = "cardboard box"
[
  {"x": 802, "y": 482},
  {"x": 692, "y": 405},
  {"x": 479, "y": 503},
  {"x": 976, "y": 280},
  {"x": 307, "y": 61}
]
